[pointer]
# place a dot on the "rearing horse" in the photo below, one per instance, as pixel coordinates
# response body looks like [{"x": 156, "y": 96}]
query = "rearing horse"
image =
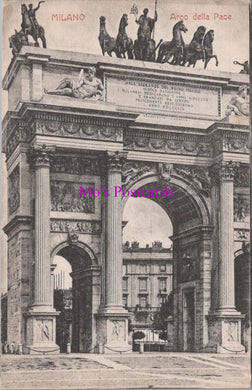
[
  {"x": 123, "y": 42},
  {"x": 195, "y": 50},
  {"x": 28, "y": 28},
  {"x": 175, "y": 47},
  {"x": 208, "y": 47}
]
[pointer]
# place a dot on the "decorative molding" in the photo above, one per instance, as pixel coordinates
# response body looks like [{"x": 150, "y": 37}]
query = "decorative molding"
[
  {"x": 20, "y": 133},
  {"x": 75, "y": 165},
  {"x": 14, "y": 190},
  {"x": 71, "y": 226},
  {"x": 167, "y": 143},
  {"x": 65, "y": 196},
  {"x": 77, "y": 130}
]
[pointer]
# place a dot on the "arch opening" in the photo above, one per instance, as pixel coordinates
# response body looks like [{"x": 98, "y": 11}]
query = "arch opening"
[{"x": 73, "y": 296}]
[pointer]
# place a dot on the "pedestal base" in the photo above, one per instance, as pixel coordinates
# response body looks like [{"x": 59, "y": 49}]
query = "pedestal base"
[
  {"x": 224, "y": 331},
  {"x": 41, "y": 332},
  {"x": 112, "y": 330}
]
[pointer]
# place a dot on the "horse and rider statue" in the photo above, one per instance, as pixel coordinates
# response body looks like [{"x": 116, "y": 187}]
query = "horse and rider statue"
[
  {"x": 174, "y": 52},
  {"x": 29, "y": 26}
]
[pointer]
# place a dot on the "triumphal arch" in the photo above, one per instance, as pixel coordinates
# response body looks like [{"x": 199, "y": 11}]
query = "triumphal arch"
[{"x": 135, "y": 125}]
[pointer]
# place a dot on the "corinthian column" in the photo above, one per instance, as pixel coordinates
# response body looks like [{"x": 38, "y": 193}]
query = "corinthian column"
[
  {"x": 113, "y": 286},
  {"x": 226, "y": 270},
  {"x": 42, "y": 293}
]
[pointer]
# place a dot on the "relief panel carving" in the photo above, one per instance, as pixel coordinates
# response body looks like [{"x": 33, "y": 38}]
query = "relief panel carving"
[
  {"x": 197, "y": 176},
  {"x": 65, "y": 226},
  {"x": 14, "y": 190},
  {"x": 241, "y": 208},
  {"x": 75, "y": 165},
  {"x": 65, "y": 197}
]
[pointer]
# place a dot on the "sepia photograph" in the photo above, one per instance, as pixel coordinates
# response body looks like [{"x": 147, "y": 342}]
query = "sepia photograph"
[{"x": 125, "y": 197}]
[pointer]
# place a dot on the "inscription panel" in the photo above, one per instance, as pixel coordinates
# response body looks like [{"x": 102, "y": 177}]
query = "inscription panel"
[{"x": 182, "y": 98}]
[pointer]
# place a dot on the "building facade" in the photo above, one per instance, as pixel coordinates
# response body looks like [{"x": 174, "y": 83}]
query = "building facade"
[{"x": 154, "y": 127}]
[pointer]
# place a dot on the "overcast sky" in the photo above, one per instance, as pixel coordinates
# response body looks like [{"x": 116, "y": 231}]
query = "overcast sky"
[{"x": 231, "y": 43}]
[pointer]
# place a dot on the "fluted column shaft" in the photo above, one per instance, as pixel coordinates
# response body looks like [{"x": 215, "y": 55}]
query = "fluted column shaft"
[
  {"x": 42, "y": 285},
  {"x": 113, "y": 272},
  {"x": 226, "y": 245}
]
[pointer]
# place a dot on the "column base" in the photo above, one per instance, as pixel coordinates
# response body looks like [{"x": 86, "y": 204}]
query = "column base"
[
  {"x": 41, "y": 331},
  {"x": 224, "y": 331},
  {"x": 112, "y": 330}
]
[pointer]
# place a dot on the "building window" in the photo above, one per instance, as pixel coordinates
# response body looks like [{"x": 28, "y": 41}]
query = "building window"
[
  {"x": 162, "y": 267},
  {"x": 125, "y": 284},
  {"x": 143, "y": 268},
  {"x": 125, "y": 300},
  {"x": 161, "y": 300},
  {"x": 142, "y": 284},
  {"x": 162, "y": 284},
  {"x": 143, "y": 301}
]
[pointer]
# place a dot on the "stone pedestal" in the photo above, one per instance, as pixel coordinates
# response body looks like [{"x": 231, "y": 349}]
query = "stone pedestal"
[
  {"x": 41, "y": 332},
  {"x": 225, "y": 321},
  {"x": 112, "y": 319},
  {"x": 41, "y": 318}
]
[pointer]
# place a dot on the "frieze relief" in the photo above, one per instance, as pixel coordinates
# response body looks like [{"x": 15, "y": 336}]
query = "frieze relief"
[
  {"x": 234, "y": 142},
  {"x": 22, "y": 133},
  {"x": 75, "y": 165},
  {"x": 70, "y": 226},
  {"x": 65, "y": 196},
  {"x": 14, "y": 190},
  {"x": 78, "y": 130},
  {"x": 167, "y": 144}
]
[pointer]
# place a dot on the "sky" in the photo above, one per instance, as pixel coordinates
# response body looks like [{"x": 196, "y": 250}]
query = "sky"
[{"x": 231, "y": 43}]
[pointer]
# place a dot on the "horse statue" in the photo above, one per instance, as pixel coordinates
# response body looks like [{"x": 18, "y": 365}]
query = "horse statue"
[
  {"x": 107, "y": 43},
  {"x": 123, "y": 42},
  {"x": 175, "y": 47},
  {"x": 208, "y": 48},
  {"x": 17, "y": 40},
  {"x": 195, "y": 50},
  {"x": 30, "y": 28}
]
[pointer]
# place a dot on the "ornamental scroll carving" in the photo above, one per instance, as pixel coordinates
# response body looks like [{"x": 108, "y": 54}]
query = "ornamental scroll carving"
[
  {"x": 75, "y": 165},
  {"x": 77, "y": 130},
  {"x": 198, "y": 176},
  {"x": 14, "y": 190},
  {"x": 241, "y": 235},
  {"x": 65, "y": 196},
  {"x": 70, "y": 226},
  {"x": 133, "y": 170}
]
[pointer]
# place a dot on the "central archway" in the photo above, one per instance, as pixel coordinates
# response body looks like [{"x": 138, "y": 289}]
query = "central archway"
[
  {"x": 188, "y": 210},
  {"x": 85, "y": 289}
]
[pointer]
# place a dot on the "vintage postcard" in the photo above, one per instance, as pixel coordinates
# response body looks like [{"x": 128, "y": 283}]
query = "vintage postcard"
[{"x": 125, "y": 194}]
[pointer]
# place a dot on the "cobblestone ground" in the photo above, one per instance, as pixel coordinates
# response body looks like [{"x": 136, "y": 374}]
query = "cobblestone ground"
[{"x": 130, "y": 371}]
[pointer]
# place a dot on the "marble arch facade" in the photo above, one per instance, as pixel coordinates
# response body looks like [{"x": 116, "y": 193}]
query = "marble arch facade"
[{"x": 54, "y": 144}]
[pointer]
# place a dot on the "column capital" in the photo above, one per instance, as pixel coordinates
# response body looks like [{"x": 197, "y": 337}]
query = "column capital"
[
  {"x": 115, "y": 160},
  {"x": 223, "y": 171},
  {"x": 40, "y": 155}
]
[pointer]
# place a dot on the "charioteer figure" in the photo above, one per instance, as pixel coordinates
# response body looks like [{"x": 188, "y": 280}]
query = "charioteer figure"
[{"x": 146, "y": 26}]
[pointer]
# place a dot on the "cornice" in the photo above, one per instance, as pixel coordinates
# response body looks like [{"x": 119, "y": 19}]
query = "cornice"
[{"x": 17, "y": 220}]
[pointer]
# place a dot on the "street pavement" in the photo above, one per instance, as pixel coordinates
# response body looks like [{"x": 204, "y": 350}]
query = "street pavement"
[{"x": 125, "y": 371}]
